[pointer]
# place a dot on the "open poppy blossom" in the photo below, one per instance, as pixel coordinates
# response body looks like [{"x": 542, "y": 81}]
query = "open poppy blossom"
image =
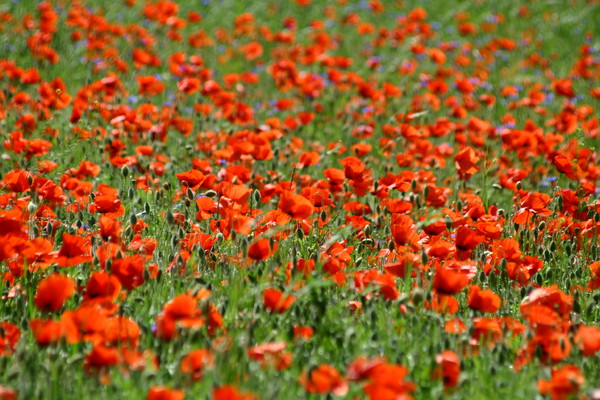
[
  {"x": 324, "y": 379},
  {"x": 448, "y": 368},
  {"x": 276, "y": 302},
  {"x": 53, "y": 291}
]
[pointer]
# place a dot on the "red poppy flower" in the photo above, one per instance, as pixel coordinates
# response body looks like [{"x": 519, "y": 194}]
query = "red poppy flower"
[
  {"x": 466, "y": 163},
  {"x": 74, "y": 250},
  {"x": 230, "y": 393},
  {"x": 9, "y": 337},
  {"x": 295, "y": 205},
  {"x": 324, "y": 379},
  {"x": 276, "y": 302},
  {"x": 483, "y": 300},
  {"x": 52, "y": 292},
  {"x": 449, "y": 280},
  {"x": 195, "y": 362},
  {"x": 588, "y": 339},
  {"x": 129, "y": 271},
  {"x": 259, "y": 250},
  {"x": 448, "y": 368},
  {"x": 566, "y": 381},
  {"x": 164, "y": 393}
]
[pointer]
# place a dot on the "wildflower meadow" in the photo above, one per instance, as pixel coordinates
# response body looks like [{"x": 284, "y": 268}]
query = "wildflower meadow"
[{"x": 299, "y": 199}]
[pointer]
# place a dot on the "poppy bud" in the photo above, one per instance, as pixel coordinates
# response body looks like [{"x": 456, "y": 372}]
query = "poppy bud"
[
  {"x": 391, "y": 245},
  {"x": 124, "y": 171},
  {"x": 358, "y": 261},
  {"x": 367, "y": 242},
  {"x": 448, "y": 221},
  {"x": 210, "y": 193},
  {"x": 219, "y": 237},
  {"x": 257, "y": 196},
  {"x": 133, "y": 218},
  {"x": 523, "y": 291},
  {"x": 169, "y": 217},
  {"x": 547, "y": 255},
  {"x": 174, "y": 241},
  {"x": 559, "y": 202},
  {"x": 131, "y": 193},
  {"x": 300, "y": 233},
  {"x": 31, "y": 207},
  {"x": 323, "y": 216},
  {"x": 424, "y": 257},
  {"x": 368, "y": 230},
  {"x": 519, "y": 186},
  {"x": 417, "y": 296},
  {"x": 503, "y": 264},
  {"x": 190, "y": 194},
  {"x": 568, "y": 249},
  {"x": 49, "y": 228},
  {"x": 542, "y": 225},
  {"x": 147, "y": 208}
]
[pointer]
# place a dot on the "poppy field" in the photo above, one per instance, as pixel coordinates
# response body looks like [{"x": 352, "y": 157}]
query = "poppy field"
[{"x": 300, "y": 199}]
